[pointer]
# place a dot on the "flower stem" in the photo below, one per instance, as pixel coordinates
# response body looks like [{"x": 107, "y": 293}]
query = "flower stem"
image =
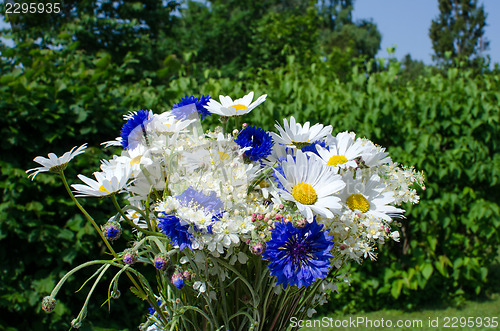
[
  {"x": 99, "y": 231},
  {"x": 132, "y": 224},
  {"x": 87, "y": 216}
]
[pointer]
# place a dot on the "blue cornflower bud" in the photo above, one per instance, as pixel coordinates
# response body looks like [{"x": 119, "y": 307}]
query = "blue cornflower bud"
[
  {"x": 178, "y": 280},
  {"x": 48, "y": 304},
  {"x": 130, "y": 256},
  {"x": 161, "y": 262},
  {"x": 112, "y": 230},
  {"x": 258, "y": 248}
]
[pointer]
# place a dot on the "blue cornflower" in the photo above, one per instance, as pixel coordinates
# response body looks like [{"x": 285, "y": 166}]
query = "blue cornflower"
[
  {"x": 178, "y": 232},
  {"x": 299, "y": 256},
  {"x": 312, "y": 147},
  {"x": 181, "y": 112},
  {"x": 178, "y": 229},
  {"x": 197, "y": 199},
  {"x": 259, "y": 140},
  {"x": 129, "y": 133}
]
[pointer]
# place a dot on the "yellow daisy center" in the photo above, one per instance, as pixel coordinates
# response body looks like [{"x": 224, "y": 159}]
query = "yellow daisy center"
[
  {"x": 358, "y": 202},
  {"x": 103, "y": 189},
  {"x": 239, "y": 107},
  {"x": 304, "y": 193},
  {"x": 336, "y": 159}
]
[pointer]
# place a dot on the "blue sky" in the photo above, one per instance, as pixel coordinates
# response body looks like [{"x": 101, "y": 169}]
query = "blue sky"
[{"x": 406, "y": 23}]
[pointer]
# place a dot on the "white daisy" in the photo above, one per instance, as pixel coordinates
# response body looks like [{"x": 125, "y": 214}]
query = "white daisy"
[
  {"x": 137, "y": 158},
  {"x": 374, "y": 155},
  {"x": 167, "y": 123},
  {"x": 310, "y": 184},
  {"x": 108, "y": 182},
  {"x": 343, "y": 151},
  {"x": 369, "y": 197},
  {"x": 238, "y": 107},
  {"x": 296, "y": 135},
  {"x": 55, "y": 163}
]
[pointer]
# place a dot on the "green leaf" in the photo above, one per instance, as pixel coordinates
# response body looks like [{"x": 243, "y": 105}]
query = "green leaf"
[
  {"x": 138, "y": 293},
  {"x": 427, "y": 270},
  {"x": 397, "y": 285}
]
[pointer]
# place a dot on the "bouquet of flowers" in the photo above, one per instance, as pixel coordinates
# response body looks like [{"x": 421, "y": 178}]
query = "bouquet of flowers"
[{"x": 245, "y": 228}]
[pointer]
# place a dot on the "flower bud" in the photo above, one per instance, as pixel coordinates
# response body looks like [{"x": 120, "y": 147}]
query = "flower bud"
[
  {"x": 112, "y": 230},
  {"x": 161, "y": 262},
  {"x": 301, "y": 223},
  {"x": 130, "y": 256},
  {"x": 116, "y": 294},
  {"x": 48, "y": 304},
  {"x": 258, "y": 248},
  {"x": 186, "y": 275},
  {"x": 76, "y": 324},
  {"x": 177, "y": 280}
]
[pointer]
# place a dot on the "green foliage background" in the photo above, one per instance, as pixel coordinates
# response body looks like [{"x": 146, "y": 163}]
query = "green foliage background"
[{"x": 445, "y": 122}]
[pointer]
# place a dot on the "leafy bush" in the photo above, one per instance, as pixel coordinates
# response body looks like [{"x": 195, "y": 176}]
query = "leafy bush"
[{"x": 51, "y": 101}]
